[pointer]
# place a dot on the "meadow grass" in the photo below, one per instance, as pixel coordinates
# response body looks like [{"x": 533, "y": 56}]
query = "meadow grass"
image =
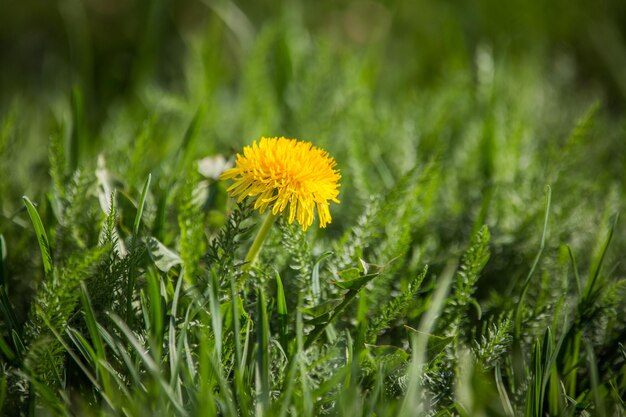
[{"x": 472, "y": 268}]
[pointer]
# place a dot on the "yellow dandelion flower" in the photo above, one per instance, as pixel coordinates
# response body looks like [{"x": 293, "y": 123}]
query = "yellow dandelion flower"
[{"x": 283, "y": 173}]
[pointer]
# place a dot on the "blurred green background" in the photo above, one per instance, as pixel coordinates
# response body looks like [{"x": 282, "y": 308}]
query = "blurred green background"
[
  {"x": 199, "y": 52},
  {"x": 112, "y": 47}
]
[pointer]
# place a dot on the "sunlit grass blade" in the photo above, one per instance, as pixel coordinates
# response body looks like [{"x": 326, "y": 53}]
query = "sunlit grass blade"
[
  {"x": 504, "y": 397},
  {"x": 42, "y": 237},
  {"x": 281, "y": 310},
  {"x": 419, "y": 342},
  {"x": 216, "y": 314},
  {"x": 152, "y": 367},
  {"x": 141, "y": 204}
]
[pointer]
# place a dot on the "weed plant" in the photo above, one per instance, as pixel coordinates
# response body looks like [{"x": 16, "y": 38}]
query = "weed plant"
[{"x": 473, "y": 267}]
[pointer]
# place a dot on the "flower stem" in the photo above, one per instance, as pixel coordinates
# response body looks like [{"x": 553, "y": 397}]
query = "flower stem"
[{"x": 258, "y": 240}]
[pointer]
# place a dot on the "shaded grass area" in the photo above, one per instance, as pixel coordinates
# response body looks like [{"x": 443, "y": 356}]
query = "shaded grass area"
[{"x": 472, "y": 268}]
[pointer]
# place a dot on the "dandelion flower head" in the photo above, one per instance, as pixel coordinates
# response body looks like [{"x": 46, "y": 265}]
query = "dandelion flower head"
[{"x": 283, "y": 174}]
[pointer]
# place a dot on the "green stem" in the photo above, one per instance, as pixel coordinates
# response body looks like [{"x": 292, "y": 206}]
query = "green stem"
[{"x": 259, "y": 240}]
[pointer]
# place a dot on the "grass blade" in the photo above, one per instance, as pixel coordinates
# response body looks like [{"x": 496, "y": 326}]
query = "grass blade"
[
  {"x": 141, "y": 204},
  {"x": 42, "y": 237},
  {"x": 281, "y": 309},
  {"x": 520, "y": 303},
  {"x": 410, "y": 404},
  {"x": 263, "y": 353}
]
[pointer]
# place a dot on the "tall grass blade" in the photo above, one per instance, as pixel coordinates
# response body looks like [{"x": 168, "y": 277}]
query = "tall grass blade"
[
  {"x": 42, "y": 237},
  {"x": 141, "y": 204},
  {"x": 520, "y": 304}
]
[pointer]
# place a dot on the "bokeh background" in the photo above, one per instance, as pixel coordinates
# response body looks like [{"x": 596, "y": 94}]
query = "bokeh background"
[
  {"x": 113, "y": 48},
  {"x": 494, "y": 91},
  {"x": 394, "y": 83}
]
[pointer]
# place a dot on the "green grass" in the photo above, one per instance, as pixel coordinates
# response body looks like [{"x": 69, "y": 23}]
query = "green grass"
[{"x": 473, "y": 267}]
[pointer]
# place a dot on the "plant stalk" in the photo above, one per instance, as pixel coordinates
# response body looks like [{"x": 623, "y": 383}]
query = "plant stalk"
[{"x": 259, "y": 240}]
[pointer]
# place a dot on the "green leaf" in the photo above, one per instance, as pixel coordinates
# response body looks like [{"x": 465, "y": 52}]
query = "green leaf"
[
  {"x": 355, "y": 283},
  {"x": 163, "y": 257},
  {"x": 42, "y": 237},
  {"x": 321, "y": 310},
  {"x": 281, "y": 309},
  {"x": 217, "y": 312},
  {"x": 141, "y": 204},
  {"x": 3, "y": 256},
  {"x": 281, "y": 302},
  {"x": 226, "y": 311},
  {"x": 90, "y": 321},
  {"x": 6, "y": 349},
  {"x": 3, "y": 390},
  {"x": 388, "y": 357},
  {"x": 19, "y": 345},
  {"x": 156, "y": 305},
  {"x": 6, "y": 308},
  {"x": 598, "y": 260},
  {"x": 262, "y": 356},
  {"x": 519, "y": 306},
  {"x": 321, "y": 319},
  {"x": 149, "y": 362},
  {"x": 96, "y": 339},
  {"x": 504, "y": 397},
  {"x": 315, "y": 275},
  {"x": 436, "y": 344},
  {"x": 83, "y": 345},
  {"x": 347, "y": 298},
  {"x": 350, "y": 273}
]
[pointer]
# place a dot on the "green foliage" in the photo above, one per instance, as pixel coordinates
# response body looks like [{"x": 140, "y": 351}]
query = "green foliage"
[
  {"x": 294, "y": 241},
  {"x": 456, "y": 315},
  {"x": 221, "y": 251},
  {"x": 494, "y": 343},
  {"x": 395, "y": 307},
  {"x": 451, "y": 280}
]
